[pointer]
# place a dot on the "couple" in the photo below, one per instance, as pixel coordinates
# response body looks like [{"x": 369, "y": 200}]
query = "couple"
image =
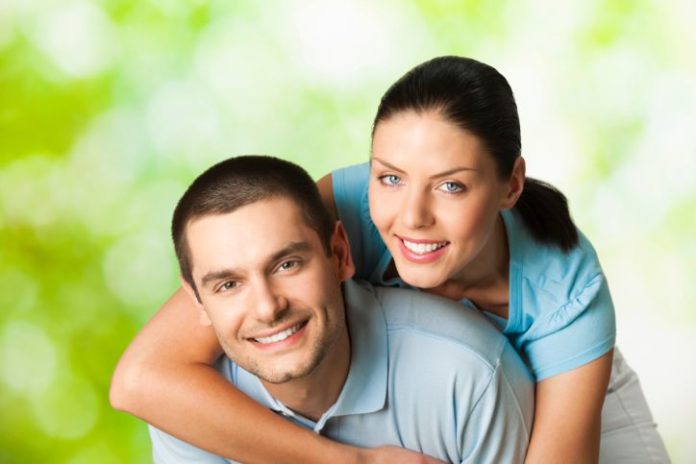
[{"x": 443, "y": 206}]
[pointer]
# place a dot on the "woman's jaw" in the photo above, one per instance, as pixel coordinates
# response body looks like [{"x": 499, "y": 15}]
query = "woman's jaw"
[
  {"x": 421, "y": 262},
  {"x": 428, "y": 263}
]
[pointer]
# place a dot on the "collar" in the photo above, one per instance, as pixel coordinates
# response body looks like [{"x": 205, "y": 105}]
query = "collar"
[{"x": 365, "y": 390}]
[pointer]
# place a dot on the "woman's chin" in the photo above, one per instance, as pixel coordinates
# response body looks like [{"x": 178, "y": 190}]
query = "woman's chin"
[{"x": 420, "y": 278}]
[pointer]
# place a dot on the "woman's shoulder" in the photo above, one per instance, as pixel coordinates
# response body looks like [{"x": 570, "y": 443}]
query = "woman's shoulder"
[
  {"x": 546, "y": 277},
  {"x": 350, "y": 195},
  {"x": 353, "y": 176},
  {"x": 561, "y": 311},
  {"x": 350, "y": 192},
  {"x": 543, "y": 263}
]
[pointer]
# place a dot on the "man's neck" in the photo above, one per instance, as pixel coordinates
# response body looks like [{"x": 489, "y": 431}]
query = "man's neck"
[{"x": 313, "y": 394}]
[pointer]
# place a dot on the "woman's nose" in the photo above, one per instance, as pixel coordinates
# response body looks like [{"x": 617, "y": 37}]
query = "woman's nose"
[{"x": 415, "y": 212}]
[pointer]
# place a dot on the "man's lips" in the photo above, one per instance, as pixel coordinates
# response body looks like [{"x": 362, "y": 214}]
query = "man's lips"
[{"x": 279, "y": 335}]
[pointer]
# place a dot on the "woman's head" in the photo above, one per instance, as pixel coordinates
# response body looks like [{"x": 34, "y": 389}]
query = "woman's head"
[
  {"x": 445, "y": 161},
  {"x": 468, "y": 94}
]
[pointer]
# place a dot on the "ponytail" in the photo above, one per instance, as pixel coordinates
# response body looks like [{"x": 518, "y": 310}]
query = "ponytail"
[{"x": 544, "y": 210}]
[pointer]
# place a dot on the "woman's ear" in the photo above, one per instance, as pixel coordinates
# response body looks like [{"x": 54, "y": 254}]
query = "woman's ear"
[
  {"x": 515, "y": 184},
  {"x": 340, "y": 249},
  {"x": 191, "y": 292}
]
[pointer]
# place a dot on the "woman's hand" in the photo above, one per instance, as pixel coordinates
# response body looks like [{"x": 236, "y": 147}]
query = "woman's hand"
[{"x": 393, "y": 454}]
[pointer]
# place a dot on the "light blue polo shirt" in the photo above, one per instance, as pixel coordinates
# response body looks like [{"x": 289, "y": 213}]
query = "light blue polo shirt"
[
  {"x": 425, "y": 374},
  {"x": 560, "y": 313}
]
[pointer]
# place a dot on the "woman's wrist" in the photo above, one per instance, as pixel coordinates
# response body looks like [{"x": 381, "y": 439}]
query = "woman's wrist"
[{"x": 340, "y": 453}]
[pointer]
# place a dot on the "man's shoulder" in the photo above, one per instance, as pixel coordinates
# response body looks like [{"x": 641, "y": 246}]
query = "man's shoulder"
[
  {"x": 447, "y": 325},
  {"x": 450, "y": 362},
  {"x": 433, "y": 339}
]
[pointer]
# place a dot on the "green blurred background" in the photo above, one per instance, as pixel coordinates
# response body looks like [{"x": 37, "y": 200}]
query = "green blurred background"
[{"x": 108, "y": 109}]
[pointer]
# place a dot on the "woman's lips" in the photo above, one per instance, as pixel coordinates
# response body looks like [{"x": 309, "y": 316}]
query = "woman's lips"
[{"x": 421, "y": 251}]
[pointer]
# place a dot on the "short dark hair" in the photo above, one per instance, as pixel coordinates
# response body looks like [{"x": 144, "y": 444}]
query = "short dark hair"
[
  {"x": 477, "y": 98},
  {"x": 240, "y": 181}
]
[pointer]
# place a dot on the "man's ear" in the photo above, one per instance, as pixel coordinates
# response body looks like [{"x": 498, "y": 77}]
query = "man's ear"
[
  {"x": 203, "y": 315},
  {"x": 515, "y": 184},
  {"x": 340, "y": 250}
]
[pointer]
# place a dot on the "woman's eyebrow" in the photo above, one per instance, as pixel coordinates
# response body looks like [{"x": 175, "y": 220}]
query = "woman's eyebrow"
[
  {"x": 384, "y": 163},
  {"x": 434, "y": 176},
  {"x": 449, "y": 172}
]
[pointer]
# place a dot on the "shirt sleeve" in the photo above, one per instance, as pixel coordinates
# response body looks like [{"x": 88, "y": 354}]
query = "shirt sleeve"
[
  {"x": 167, "y": 449},
  {"x": 499, "y": 426},
  {"x": 350, "y": 189},
  {"x": 581, "y": 331}
]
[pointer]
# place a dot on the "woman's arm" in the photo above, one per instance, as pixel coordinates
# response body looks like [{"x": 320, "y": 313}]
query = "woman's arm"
[
  {"x": 567, "y": 418},
  {"x": 165, "y": 377}
]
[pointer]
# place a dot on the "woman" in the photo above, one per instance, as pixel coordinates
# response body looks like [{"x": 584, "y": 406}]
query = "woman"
[{"x": 444, "y": 207}]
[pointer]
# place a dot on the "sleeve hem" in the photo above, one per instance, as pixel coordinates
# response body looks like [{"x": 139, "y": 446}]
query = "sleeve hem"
[{"x": 576, "y": 361}]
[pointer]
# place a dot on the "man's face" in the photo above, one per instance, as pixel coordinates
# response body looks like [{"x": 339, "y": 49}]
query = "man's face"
[{"x": 268, "y": 287}]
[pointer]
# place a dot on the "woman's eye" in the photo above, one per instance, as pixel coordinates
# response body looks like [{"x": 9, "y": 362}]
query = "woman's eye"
[
  {"x": 451, "y": 187},
  {"x": 390, "y": 179}
]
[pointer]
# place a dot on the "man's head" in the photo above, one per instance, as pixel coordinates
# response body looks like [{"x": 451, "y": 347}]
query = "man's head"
[
  {"x": 239, "y": 181},
  {"x": 264, "y": 261}
]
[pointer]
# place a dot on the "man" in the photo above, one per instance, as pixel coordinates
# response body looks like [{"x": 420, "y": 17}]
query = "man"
[{"x": 270, "y": 271}]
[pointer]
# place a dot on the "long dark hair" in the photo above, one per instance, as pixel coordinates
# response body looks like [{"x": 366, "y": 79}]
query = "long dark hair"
[{"x": 477, "y": 98}]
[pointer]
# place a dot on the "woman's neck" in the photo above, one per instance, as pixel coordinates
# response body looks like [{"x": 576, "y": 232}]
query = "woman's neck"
[{"x": 485, "y": 281}]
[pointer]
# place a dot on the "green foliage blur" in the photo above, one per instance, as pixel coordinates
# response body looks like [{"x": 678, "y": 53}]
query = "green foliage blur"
[{"x": 108, "y": 109}]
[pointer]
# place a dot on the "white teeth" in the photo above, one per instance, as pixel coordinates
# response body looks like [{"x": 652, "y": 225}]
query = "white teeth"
[
  {"x": 422, "y": 248},
  {"x": 280, "y": 336}
]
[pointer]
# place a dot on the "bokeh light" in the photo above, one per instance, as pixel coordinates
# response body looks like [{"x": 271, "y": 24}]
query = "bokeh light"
[
  {"x": 77, "y": 37},
  {"x": 108, "y": 109},
  {"x": 28, "y": 358}
]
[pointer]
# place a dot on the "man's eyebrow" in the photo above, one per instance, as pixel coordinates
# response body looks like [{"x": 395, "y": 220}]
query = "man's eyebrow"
[
  {"x": 216, "y": 275},
  {"x": 434, "y": 176},
  {"x": 293, "y": 247}
]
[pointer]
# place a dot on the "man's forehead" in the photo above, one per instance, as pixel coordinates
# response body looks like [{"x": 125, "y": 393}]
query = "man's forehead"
[
  {"x": 252, "y": 232},
  {"x": 272, "y": 215}
]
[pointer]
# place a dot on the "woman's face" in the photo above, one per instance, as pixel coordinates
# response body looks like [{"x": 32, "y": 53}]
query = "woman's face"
[{"x": 435, "y": 195}]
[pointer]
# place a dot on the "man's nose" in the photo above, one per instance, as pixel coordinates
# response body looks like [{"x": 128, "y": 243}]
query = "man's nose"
[{"x": 269, "y": 302}]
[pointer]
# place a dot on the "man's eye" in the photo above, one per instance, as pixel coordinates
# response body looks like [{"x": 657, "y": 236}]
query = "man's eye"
[
  {"x": 229, "y": 285},
  {"x": 451, "y": 187},
  {"x": 287, "y": 265},
  {"x": 390, "y": 179}
]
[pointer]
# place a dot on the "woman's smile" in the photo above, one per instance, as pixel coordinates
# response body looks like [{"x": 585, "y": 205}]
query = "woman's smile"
[{"x": 435, "y": 196}]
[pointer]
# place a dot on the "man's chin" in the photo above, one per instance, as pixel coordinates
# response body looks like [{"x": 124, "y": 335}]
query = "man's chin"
[{"x": 285, "y": 374}]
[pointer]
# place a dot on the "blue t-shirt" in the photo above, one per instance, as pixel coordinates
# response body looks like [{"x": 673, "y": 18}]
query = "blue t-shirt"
[
  {"x": 560, "y": 313},
  {"x": 424, "y": 375}
]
